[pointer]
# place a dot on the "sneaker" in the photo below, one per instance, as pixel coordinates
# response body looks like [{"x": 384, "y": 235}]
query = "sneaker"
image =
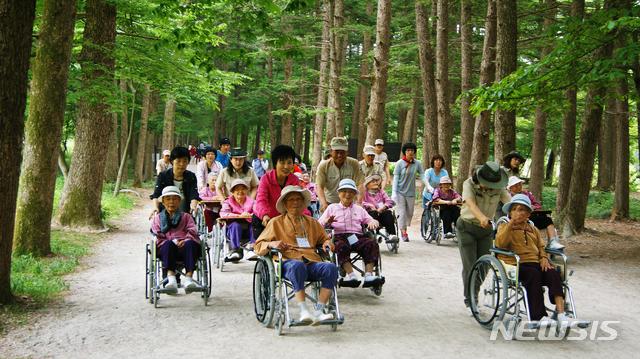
[
  {"x": 350, "y": 280},
  {"x": 233, "y": 257},
  {"x": 545, "y": 322},
  {"x": 405, "y": 237},
  {"x": 306, "y": 317},
  {"x": 393, "y": 239},
  {"x": 566, "y": 320},
  {"x": 449, "y": 235},
  {"x": 172, "y": 285},
  {"x": 320, "y": 316},
  {"x": 189, "y": 285},
  {"x": 370, "y": 280},
  {"x": 554, "y": 243},
  {"x": 251, "y": 256}
]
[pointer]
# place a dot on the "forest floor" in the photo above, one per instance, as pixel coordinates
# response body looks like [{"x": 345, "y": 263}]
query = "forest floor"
[{"x": 419, "y": 314}]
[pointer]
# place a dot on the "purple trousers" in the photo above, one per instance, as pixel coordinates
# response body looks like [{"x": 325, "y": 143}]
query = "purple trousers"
[
  {"x": 236, "y": 230},
  {"x": 534, "y": 278},
  {"x": 297, "y": 272},
  {"x": 170, "y": 254},
  {"x": 366, "y": 247}
]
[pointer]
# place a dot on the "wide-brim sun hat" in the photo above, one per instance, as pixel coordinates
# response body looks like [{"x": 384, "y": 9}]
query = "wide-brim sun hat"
[
  {"x": 514, "y": 180},
  {"x": 238, "y": 182},
  {"x": 371, "y": 178},
  {"x": 517, "y": 199},
  {"x": 379, "y": 141},
  {"x": 347, "y": 184},
  {"x": 170, "y": 191},
  {"x": 306, "y": 195},
  {"x": 445, "y": 180},
  {"x": 513, "y": 154},
  {"x": 238, "y": 152},
  {"x": 491, "y": 175}
]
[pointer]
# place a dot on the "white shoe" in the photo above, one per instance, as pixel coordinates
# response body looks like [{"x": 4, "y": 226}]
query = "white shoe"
[
  {"x": 370, "y": 277},
  {"x": 306, "y": 317},
  {"x": 568, "y": 321},
  {"x": 250, "y": 255},
  {"x": 554, "y": 243},
  {"x": 321, "y": 316},
  {"x": 189, "y": 285},
  {"x": 172, "y": 285},
  {"x": 545, "y": 322}
]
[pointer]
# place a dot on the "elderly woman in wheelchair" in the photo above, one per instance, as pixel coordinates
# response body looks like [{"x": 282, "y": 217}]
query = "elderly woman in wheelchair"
[
  {"x": 293, "y": 238},
  {"x": 176, "y": 240},
  {"x": 522, "y": 253},
  {"x": 347, "y": 220}
]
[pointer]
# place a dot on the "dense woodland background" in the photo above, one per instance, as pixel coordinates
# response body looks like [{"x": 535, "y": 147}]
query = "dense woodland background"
[{"x": 119, "y": 80}]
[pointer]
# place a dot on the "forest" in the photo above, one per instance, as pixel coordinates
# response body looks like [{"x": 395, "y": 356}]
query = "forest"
[{"x": 93, "y": 89}]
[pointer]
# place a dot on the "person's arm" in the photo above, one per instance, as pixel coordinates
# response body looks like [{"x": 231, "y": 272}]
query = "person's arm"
[
  {"x": 367, "y": 219},
  {"x": 221, "y": 187},
  {"x": 468, "y": 194},
  {"x": 190, "y": 228},
  {"x": 396, "y": 181},
  {"x": 193, "y": 192},
  {"x": 262, "y": 200},
  {"x": 385, "y": 168},
  {"x": 201, "y": 175},
  {"x": 253, "y": 184},
  {"x": 226, "y": 210},
  {"x": 504, "y": 236},
  {"x": 262, "y": 245},
  {"x": 321, "y": 178},
  {"x": 534, "y": 202},
  {"x": 159, "y": 166}
]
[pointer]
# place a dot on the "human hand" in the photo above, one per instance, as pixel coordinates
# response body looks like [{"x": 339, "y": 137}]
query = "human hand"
[
  {"x": 153, "y": 213},
  {"x": 323, "y": 205},
  {"x": 327, "y": 246},
  {"x": 373, "y": 225},
  {"x": 279, "y": 245},
  {"x": 180, "y": 243},
  {"x": 265, "y": 220},
  {"x": 485, "y": 222},
  {"x": 331, "y": 219},
  {"x": 545, "y": 265}
]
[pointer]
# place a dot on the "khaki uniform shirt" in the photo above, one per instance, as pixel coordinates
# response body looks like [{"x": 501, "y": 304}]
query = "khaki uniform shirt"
[
  {"x": 376, "y": 168},
  {"x": 487, "y": 201},
  {"x": 329, "y": 176},
  {"x": 224, "y": 180}
]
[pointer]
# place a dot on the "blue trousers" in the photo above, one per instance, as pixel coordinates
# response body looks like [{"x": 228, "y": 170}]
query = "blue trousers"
[
  {"x": 298, "y": 272},
  {"x": 236, "y": 230},
  {"x": 170, "y": 254}
]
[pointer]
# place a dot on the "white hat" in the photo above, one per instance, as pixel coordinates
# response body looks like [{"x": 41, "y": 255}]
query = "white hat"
[
  {"x": 347, "y": 183},
  {"x": 379, "y": 141},
  {"x": 369, "y": 150},
  {"x": 306, "y": 195},
  {"x": 170, "y": 191},
  {"x": 514, "y": 180},
  {"x": 238, "y": 182},
  {"x": 166, "y": 153},
  {"x": 445, "y": 179},
  {"x": 372, "y": 177}
]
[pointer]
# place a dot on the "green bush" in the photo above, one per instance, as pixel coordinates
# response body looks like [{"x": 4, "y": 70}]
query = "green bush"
[{"x": 599, "y": 206}]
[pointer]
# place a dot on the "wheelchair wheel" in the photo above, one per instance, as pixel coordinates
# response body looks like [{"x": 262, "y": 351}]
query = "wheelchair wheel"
[
  {"x": 204, "y": 274},
  {"x": 488, "y": 287},
  {"x": 377, "y": 290},
  {"x": 425, "y": 225},
  {"x": 264, "y": 290},
  {"x": 147, "y": 279}
]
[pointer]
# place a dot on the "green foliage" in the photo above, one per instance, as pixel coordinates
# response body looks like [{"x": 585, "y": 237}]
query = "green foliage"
[
  {"x": 599, "y": 205},
  {"x": 112, "y": 207}
]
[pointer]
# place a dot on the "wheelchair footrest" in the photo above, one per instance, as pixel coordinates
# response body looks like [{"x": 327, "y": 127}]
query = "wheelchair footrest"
[
  {"x": 349, "y": 283},
  {"x": 373, "y": 283}
]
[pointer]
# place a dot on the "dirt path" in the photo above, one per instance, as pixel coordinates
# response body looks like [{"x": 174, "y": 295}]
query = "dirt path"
[{"x": 420, "y": 312}]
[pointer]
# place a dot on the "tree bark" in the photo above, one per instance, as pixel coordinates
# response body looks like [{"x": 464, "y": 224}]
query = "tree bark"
[
  {"x": 568, "y": 144},
  {"x": 321, "y": 101},
  {"x": 142, "y": 137},
  {"x": 168, "y": 130},
  {"x": 364, "y": 89},
  {"x": 123, "y": 161},
  {"x": 286, "y": 129},
  {"x": 335, "y": 117},
  {"x": 607, "y": 146},
  {"x": 15, "y": 46},
  {"x": 124, "y": 119},
  {"x": 111, "y": 170},
  {"x": 538, "y": 151},
  {"x": 621, "y": 207},
  {"x": 430, "y": 133},
  {"x": 43, "y": 130},
  {"x": 403, "y": 111},
  {"x": 62, "y": 163},
  {"x": 412, "y": 116},
  {"x": 480, "y": 151},
  {"x": 506, "y": 63},
  {"x": 149, "y": 163},
  {"x": 375, "y": 116},
  {"x": 307, "y": 140},
  {"x": 80, "y": 203},
  {"x": 467, "y": 121},
  {"x": 445, "y": 125}
]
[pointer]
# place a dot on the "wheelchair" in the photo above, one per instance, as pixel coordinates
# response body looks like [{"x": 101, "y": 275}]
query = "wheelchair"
[
  {"x": 496, "y": 293},
  {"x": 272, "y": 293},
  {"x": 381, "y": 235},
  {"x": 355, "y": 258},
  {"x": 221, "y": 243},
  {"x": 156, "y": 279},
  {"x": 431, "y": 226}
]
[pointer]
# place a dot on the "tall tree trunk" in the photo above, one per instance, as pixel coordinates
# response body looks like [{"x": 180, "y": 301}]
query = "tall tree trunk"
[
  {"x": 430, "y": 133},
  {"x": 62, "y": 163},
  {"x": 169, "y": 126},
  {"x": 142, "y": 137},
  {"x": 445, "y": 125},
  {"x": 111, "y": 170},
  {"x": 568, "y": 144},
  {"x": 123, "y": 162},
  {"x": 403, "y": 111},
  {"x": 124, "y": 119},
  {"x": 149, "y": 162},
  {"x": 273, "y": 136},
  {"x": 80, "y": 203},
  {"x": 412, "y": 116},
  {"x": 480, "y": 151},
  {"x": 467, "y": 122},
  {"x": 43, "y": 130},
  {"x": 355, "y": 129},
  {"x": 365, "y": 78},
  {"x": 244, "y": 139},
  {"x": 335, "y": 117},
  {"x": 321, "y": 101},
  {"x": 607, "y": 145},
  {"x": 15, "y": 46},
  {"x": 506, "y": 63},
  {"x": 222, "y": 104},
  {"x": 258, "y": 145},
  {"x": 375, "y": 116},
  {"x": 300, "y": 125},
  {"x": 307, "y": 140},
  {"x": 540, "y": 126},
  {"x": 621, "y": 207},
  {"x": 286, "y": 129}
]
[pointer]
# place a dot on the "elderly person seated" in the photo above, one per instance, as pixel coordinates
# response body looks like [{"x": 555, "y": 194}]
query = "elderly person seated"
[
  {"x": 347, "y": 219},
  {"x": 378, "y": 205},
  {"x": 177, "y": 239},
  {"x": 208, "y": 194},
  {"x": 448, "y": 200},
  {"x": 521, "y": 237},
  {"x": 237, "y": 211},
  {"x": 296, "y": 236}
]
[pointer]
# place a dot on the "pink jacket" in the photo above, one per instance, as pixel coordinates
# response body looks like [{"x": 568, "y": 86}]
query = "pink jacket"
[
  {"x": 186, "y": 229},
  {"x": 206, "y": 193},
  {"x": 445, "y": 196},
  {"x": 230, "y": 207},
  {"x": 269, "y": 192},
  {"x": 371, "y": 202},
  {"x": 347, "y": 219}
]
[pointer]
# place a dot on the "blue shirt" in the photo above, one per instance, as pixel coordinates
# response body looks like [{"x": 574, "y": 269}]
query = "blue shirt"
[
  {"x": 432, "y": 179},
  {"x": 223, "y": 158},
  {"x": 404, "y": 177}
]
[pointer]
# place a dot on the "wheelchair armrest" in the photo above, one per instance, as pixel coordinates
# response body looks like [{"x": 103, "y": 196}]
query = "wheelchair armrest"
[{"x": 505, "y": 252}]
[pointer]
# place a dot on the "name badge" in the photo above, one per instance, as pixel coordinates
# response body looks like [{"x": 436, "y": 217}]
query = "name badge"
[
  {"x": 303, "y": 242},
  {"x": 352, "y": 239}
]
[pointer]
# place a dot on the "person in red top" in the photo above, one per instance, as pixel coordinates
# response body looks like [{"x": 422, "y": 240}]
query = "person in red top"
[{"x": 271, "y": 185}]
